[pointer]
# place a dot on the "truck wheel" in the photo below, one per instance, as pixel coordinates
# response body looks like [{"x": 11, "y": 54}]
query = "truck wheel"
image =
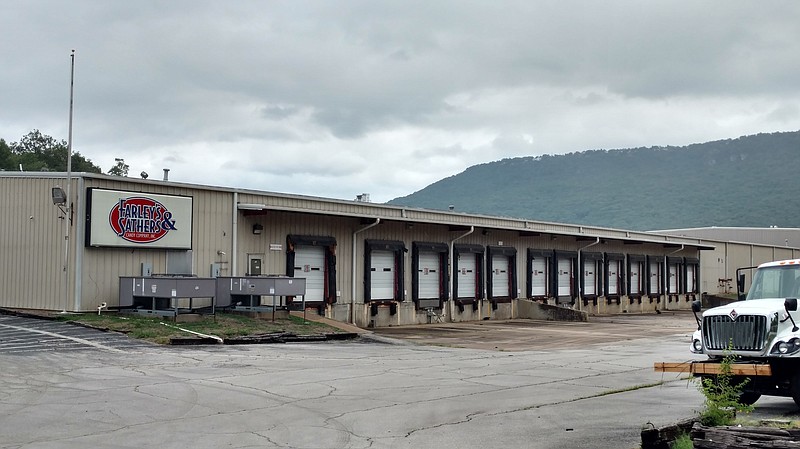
[{"x": 750, "y": 398}]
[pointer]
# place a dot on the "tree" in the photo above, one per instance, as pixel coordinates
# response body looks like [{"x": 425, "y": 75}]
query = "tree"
[
  {"x": 120, "y": 169},
  {"x": 5, "y": 155},
  {"x": 40, "y": 152}
]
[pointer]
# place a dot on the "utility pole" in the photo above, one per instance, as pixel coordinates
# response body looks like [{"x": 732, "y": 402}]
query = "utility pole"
[{"x": 68, "y": 217}]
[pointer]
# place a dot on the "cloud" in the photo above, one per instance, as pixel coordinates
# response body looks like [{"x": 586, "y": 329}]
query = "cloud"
[{"x": 340, "y": 98}]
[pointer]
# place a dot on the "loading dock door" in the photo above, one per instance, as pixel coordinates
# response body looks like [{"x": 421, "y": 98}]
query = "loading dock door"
[
  {"x": 467, "y": 270},
  {"x": 636, "y": 278},
  {"x": 655, "y": 278},
  {"x": 691, "y": 280},
  {"x": 500, "y": 286},
  {"x": 589, "y": 277},
  {"x": 565, "y": 277},
  {"x": 429, "y": 275},
  {"x": 614, "y": 268},
  {"x": 309, "y": 263},
  {"x": 382, "y": 276},
  {"x": 539, "y": 277},
  {"x": 673, "y": 279}
]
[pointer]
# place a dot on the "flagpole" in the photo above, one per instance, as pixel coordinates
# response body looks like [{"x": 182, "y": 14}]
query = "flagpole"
[{"x": 68, "y": 218}]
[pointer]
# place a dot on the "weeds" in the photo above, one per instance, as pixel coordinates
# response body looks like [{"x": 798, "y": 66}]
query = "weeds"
[
  {"x": 722, "y": 395},
  {"x": 684, "y": 441}
]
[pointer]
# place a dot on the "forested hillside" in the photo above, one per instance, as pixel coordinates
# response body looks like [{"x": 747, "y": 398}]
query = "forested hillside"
[{"x": 749, "y": 181}]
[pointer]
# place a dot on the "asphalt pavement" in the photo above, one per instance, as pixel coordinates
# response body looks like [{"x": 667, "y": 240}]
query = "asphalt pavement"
[{"x": 379, "y": 391}]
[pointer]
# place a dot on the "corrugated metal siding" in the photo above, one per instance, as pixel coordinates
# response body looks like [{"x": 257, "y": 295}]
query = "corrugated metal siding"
[
  {"x": 762, "y": 254},
  {"x": 712, "y": 268},
  {"x": 212, "y": 232},
  {"x": 764, "y": 236},
  {"x": 31, "y": 245}
]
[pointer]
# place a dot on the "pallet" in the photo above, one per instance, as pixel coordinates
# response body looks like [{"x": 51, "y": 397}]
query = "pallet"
[{"x": 701, "y": 368}]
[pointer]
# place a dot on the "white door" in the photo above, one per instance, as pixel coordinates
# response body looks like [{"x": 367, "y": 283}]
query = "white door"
[
  {"x": 500, "y": 284},
  {"x": 309, "y": 263},
  {"x": 382, "y": 275},
  {"x": 613, "y": 277},
  {"x": 673, "y": 279},
  {"x": 539, "y": 277},
  {"x": 655, "y": 272},
  {"x": 636, "y": 278},
  {"x": 589, "y": 278},
  {"x": 467, "y": 272},
  {"x": 690, "y": 278},
  {"x": 565, "y": 277},
  {"x": 429, "y": 276}
]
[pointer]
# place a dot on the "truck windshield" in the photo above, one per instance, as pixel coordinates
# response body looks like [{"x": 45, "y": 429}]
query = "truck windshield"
[{"x": 776, "y": 282}]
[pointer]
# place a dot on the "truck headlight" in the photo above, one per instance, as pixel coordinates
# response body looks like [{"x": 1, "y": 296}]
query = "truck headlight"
[
  {"x": 786, "y": 347},
  {"x": 697, "y": 346}
]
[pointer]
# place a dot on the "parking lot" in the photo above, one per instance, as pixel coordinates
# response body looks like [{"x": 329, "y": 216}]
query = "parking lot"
[{"x": 575, "y": 385}]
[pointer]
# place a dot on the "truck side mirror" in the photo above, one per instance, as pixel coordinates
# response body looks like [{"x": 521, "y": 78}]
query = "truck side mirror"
[
  {"x": 740, "y": 286},
  {"x": 791, "y": 305},
  {"x": 696, "y": 306}
]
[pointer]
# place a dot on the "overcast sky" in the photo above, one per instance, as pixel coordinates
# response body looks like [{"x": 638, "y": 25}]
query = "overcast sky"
[{"x": 337, "y": 98}]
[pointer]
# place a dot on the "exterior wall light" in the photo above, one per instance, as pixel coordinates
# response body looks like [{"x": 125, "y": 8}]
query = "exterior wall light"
[
  {"x": 59, "y": 197},
  {"x": 258, "y": 229}
]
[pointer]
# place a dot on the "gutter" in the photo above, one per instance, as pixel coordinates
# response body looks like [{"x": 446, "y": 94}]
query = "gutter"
[
  {"x": 580, "y": 269},
  {"x": 354, "y": 273},
  {"x": 450, "y": 270},
  {"x": 666, "y": 270},
  {"x": 235, "y": 236}
]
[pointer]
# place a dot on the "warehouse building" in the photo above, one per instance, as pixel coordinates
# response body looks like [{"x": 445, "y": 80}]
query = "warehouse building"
[
  {"x": 738, "y": 247},
  {"x": 66, "y": 246}
]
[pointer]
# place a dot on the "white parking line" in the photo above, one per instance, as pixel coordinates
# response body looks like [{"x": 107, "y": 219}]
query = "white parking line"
[{"x": 53, "y": 334}]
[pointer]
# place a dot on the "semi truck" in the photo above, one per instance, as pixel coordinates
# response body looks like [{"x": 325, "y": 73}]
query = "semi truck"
[{"x": 759, "y": 329}]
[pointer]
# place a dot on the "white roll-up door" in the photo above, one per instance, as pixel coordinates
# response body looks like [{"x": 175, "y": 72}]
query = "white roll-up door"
[
  {"x": 636, "y": 278},
  {"x": 673, "y": 279},
  {"x": 690, "y": 278},
  {"x": 467, "y": 272},
  {"x": 309, "y": 263},
  {"x": 655, "y": 271},
  {"x": 429, "y": 275},
  {"x": 382, "y": 276},
  {"x": 613, "y": 277},
  {"x": 589, "y": 277},
  {"x": 539, "y": 277},
  {"x": 564, "y": 277},
  {"x": 500, "y": 284}
]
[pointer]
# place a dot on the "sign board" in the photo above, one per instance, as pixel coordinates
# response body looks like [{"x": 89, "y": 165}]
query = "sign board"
[{"x": 138, "y": 220}]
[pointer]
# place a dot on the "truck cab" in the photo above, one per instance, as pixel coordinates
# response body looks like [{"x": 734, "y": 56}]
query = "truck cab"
[{"x": 759, "y": 329}]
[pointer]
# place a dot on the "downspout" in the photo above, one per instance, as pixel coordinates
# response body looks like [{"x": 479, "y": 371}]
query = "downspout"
[
  {"x": 450, "y": 270},
  {"x": 235, "y": 236},
  {"x": 354, "y": 273},
  {"x": 666, "y": 271},
  {"x": 580, "y": 272}
]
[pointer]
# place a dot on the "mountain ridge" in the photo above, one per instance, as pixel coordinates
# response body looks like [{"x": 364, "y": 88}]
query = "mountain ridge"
[{"x": 744, "y": 181}]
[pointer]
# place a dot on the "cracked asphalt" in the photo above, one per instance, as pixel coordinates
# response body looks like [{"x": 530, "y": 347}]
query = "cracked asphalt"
[{"x": 375, "y": 392}]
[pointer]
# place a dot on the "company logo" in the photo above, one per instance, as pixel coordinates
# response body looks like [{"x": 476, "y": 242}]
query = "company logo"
[
  {"x": 140, "y": 220},
  {"x": 733, "y": 314}
]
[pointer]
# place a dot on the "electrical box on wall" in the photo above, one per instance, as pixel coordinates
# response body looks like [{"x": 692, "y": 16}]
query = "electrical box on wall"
[
  {"x": 216, "y": 268},
  {"x": 147, "y": 269}
]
